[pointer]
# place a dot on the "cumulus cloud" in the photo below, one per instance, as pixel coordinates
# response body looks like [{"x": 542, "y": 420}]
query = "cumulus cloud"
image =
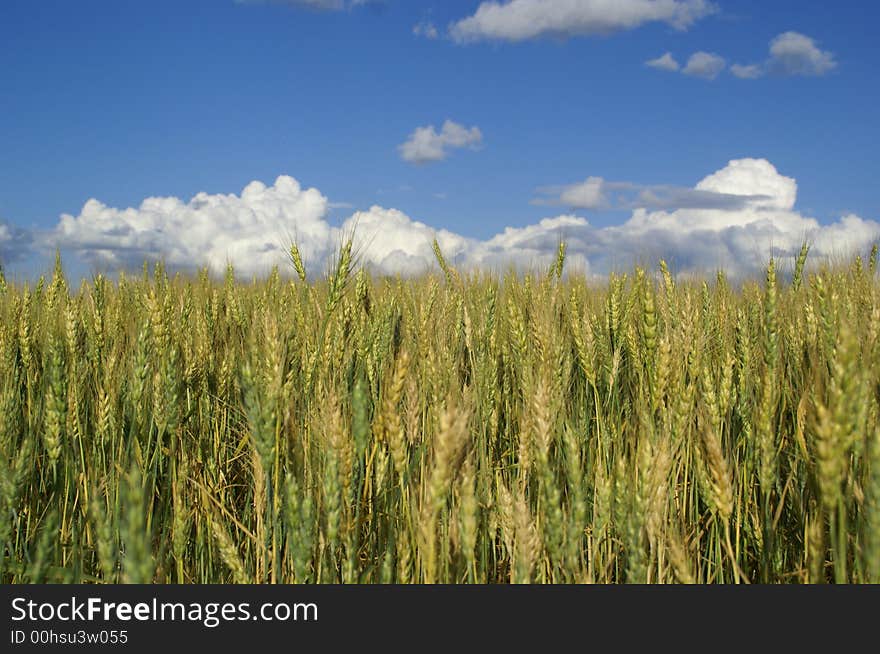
[
  {"x": 389, "y": 241},
  {"x": 536, "y": 245},
  {"x": 791, "y": 54},
  {"x": 426, "y": 144},
  {"x": 520, "y": 20},
  {"x": 706, "y": 65},
  {"x": 734, "y": 219},
  {"x": 739, "y": 239},
  {"x": 252, "y": 230},
  {"x": 795, "y": 54},
  {"x": 664, "y": 62},
  {"x": 756, "y": 179}
]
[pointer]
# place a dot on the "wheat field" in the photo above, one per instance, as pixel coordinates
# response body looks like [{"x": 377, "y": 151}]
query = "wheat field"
[{"x": 452, "y": 428}]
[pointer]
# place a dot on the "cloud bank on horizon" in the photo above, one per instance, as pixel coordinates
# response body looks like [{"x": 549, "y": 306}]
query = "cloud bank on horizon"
[{"x": 735, "y": 218}]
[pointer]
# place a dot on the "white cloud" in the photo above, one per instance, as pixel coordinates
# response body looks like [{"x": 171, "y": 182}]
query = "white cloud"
[
  {"x": 426, "y": 144},
  {"x": 520, "y": 20},
  {"x": 791, "y": 54},
  {"x": 757, "y": 178},
  {"x": 252, "y": 230},
  {"x": 664, "y": 62},
  {"x": 589, "y": 194},
  {"x": 795, "y": 54},
  {"x": 426, "y": 29},
  {"x": 849, "y": 233},
  {"x": 536, "y": 245},
  {"x": 752, "y": 71},
  {"x": 389, "y": 241},
  {"x": 705, "y": 64},
  {"x": 741, "y": 240},
  {"x": 734, "y": 219}
]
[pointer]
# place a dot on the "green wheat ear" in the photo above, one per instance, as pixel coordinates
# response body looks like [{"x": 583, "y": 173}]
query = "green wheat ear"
[
  {"x": 441, "y": 261},
  {"x": 297, "y": 261},
  {"x": 137, "y": 559},
  {"x": 559, "y": 264},
  {"x": 799, "y": 266}
]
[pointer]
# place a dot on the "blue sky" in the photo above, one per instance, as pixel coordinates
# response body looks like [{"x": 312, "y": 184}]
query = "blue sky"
[{"x": 122, "y": 100}]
